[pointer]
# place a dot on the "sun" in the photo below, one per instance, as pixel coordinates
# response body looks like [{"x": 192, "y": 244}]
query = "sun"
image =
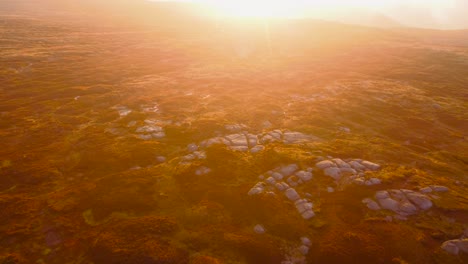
[{"x": 256, "y": 8}]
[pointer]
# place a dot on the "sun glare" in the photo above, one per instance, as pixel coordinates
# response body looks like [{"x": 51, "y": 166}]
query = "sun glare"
[
  {"x": 298, "y": 8},
  {"x": 260, "y": 8}
]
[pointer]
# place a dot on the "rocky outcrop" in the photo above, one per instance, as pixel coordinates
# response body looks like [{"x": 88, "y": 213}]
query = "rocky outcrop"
[{"x": 403, "y": 202}]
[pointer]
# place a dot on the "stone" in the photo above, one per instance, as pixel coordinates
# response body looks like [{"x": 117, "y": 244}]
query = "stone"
[
  {"x": 255, "y": 191},
  {"x": 259, "y": 229},
  {"x": 202, "y": 171},
  {"x": 278, "y": 176},
  {"x": 426, "y": 190},
  {"x": 306, "y": 241},
  {"x": 375, "y": 181},
  {"x": 371, "y": 166},
  {"x": 357, "y": 166},
  {"x": 292, "y": 194},
  {"x": 408, "y": 208},
  {"x": 359, "y": 181},
  {"x": 438, "y": 188},
  {"x": 333, "y": 172},
  {"x": 451, "y": 247},
  {"x": 368, "y": 183},
  {"x": 200, "y": 154},
  {"x": 373, "y": 205},
  {"x": 161, "y": 159},
  {"x": 324, "y": 164},
  {"x": 257, "y": 149},
  {"x": 345, "y": 129},
  {"x": 348, "y": 171},
  {"x": 192, "y": 147},
  {"x": 270, "y": 180},
  {"x": 280, "y": 187},
  {"x": 382, "y": 195},
  {"x": 462, "y": 244},
  {"x": 330, "y": 189},
  {"x": 304, "y": 250},
  {"x": 304, "y": 175},
  {"x": 340, "y": 163},
  {"x": 288, "y": 170},
  {"x": 149, "y": 129},
  {"x": 235, "y": 127},
  {"x": 421, "y": 200},
  {"x": 389, "y": 204},
  {"x": 131, "y": 123},
  {"x": 302, "y": 207},
  {"x": 308, "y": 214}
]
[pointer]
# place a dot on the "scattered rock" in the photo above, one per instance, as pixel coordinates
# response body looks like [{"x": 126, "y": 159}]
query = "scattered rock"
[
  {"x": 292, "y": 194},
  {"x": 420, "y": 200},
  {"x": 308, "y": 214},
  {"x": 389, "y": 204},
  {"x": 370, "y": 165},
  {"x": 426, "y": 190},
  {"x": 202, "y": 171},
  {"x": 324, "y": 164},
  {"x": 333, "y": 172},
  {"x": 288, "y": 170},
  {"x": 438, "y": 188},
  {"x": 192, "y": 147},
  {"x": 451, "y": 247},
  {"x": 306, "y": 241},
  {"x": 330, "y": 189},
  {"x": 304, "y": 249},
  {"x": 259, "y": 229},
  {"x": 161, "y": 159}
]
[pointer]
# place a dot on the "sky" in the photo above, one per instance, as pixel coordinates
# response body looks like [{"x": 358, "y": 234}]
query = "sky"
[{"x": 443, "y": 14}]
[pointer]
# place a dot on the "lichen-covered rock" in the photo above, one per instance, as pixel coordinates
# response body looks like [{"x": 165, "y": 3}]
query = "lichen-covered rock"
[
  {"x": 382, "y": 195},
  {"x": 371, "y": 165},
  {"x": 357, "y": 166},
  {"x": 389, "y": 204},
  {"x": 288, "y": 170},
  {"x": 340, "y": 163},
  {"x": 308, "y": 214},
  {"x": 192, "y": 147},
  {"x": 278, "y": 176},
  {"x": 438, "y": 188},
  {"x": 426, "y": 190},
  {"x": 259, "y": 229},
  {"x": 304, "y": 175},
  {"x": 325, "y": 164},
  {"x": 421, "y": 200},
  {"x": 451, "y": 247},
  {"x": 371, "y": 204},
  {"x": 333, "y": 172},
  {"x": 292, "y": 194}
]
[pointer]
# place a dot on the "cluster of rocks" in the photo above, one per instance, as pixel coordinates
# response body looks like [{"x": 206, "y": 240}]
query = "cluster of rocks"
[
  {"x": 353, "y": 169},
  {"x": 297, "y": 255},
  {"x": 244, "y": 141},
  {"x": 122, "y": 110},
  {"x": 434, "y": 188},
  {"x": 284, "y": 179},
  {"x": 150, "y": 131},
  {"x": 202, "y": 171},
  {"x": 403, "y": 202},
  {"x": 455, "y": 246}
]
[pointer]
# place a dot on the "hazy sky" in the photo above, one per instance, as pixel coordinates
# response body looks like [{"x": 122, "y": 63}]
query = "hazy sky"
[{"x": 417, "y": 13}]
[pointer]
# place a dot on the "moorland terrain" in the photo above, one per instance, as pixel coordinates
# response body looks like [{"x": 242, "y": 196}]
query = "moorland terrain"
[{"x": 150, "y": 139}]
